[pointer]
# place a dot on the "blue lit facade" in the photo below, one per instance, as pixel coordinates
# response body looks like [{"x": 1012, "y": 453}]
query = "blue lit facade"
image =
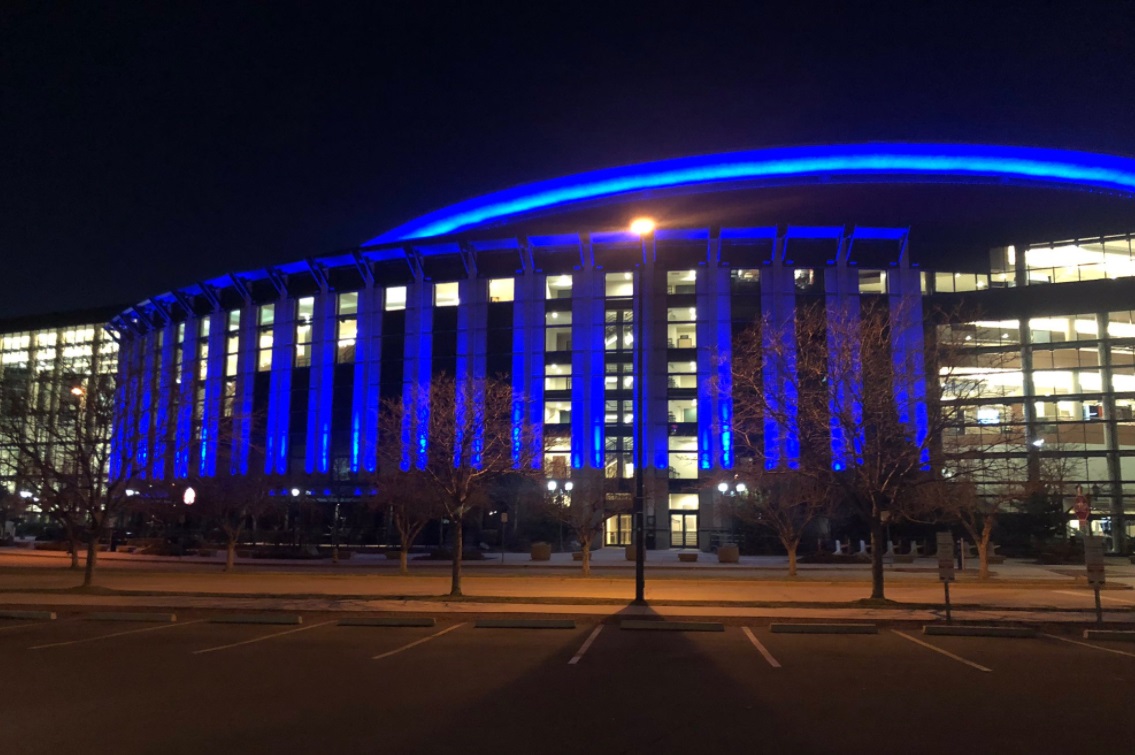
[{"x": 312, "y": 348}]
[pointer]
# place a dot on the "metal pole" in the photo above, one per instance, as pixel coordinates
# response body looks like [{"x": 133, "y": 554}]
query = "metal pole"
[
  {"x": 1099, "y": 609},
  {"x": 645, "y": 282},
  {"x": 946, "y": 585}
]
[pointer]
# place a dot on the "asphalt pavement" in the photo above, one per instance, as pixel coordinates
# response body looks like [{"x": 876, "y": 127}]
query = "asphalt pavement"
[{"x": 195, "y": 686}]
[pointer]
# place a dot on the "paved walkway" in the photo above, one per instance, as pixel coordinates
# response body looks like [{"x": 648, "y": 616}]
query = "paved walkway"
[{"x": 756, "y": 588}]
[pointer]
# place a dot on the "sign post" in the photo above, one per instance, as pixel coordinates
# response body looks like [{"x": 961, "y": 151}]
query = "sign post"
[
  {"x": 946, "y": 567},
  {"x": 504, "y": 521},
  {"x": 1093, "y": 560}
]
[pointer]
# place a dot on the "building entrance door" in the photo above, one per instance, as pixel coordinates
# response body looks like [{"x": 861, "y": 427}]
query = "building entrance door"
[{"x": 684, "y": 530}]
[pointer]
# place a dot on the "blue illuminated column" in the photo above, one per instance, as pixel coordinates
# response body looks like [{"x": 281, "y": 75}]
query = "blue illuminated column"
[
  {"x": 280, "y": 385},
  {"x": 317, "y": 452},
  {"x": 247, "y": 345},
  {"x": 148, "y": 343},
  {"x": 164, "y": 427},
  {"x": 214, "y": 386},
  {"x": 528, "y": 361},
  {"x": 714, "y": 338},
  {"x": 417, "y": 374},
  {"x": 778, "y": 336},
  {"x": 125, "y": 414},
  {"x": 365, "y": 401},
  {"x": 183, "y": 441},
  {"x": 845, "y": 368},
  {"x": 589, "y": 288},
  {"x": 472, "y": 345},
  {"x": 908, "y": 353}
]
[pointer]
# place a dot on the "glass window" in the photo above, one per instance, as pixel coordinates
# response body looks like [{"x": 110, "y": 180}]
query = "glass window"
[
  {"x": 501, "y": 289},
  {"x": 683, "y": 501},
  {"x": 872, "y": 281},
  {"x": 557, "y": 412},
  {"x": 805, "y": 278},
  {"x": 305, "y": 309},
  {"x": 234, "y": 320},
  {"x": 558, "y": 287},
  {"x": 681, "y": 281},
  {"x": 348, "y": 303},
  {"x": 446, "y": 294},
  {"x": 558, "y": 332},
  {"x": 557, "y": 377},
  {"x": 267, "y": 314},
  {"x": 620, "y": 285},
  {"x": 682, "y": 410},
  {"x": 395, "y": 298}
]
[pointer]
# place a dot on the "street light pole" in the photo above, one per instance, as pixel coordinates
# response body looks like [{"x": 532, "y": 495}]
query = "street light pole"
[{"x": 644, "y": 227}]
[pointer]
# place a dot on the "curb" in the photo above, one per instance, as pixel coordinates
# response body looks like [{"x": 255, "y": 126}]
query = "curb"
[
  {"x": 1109, "y": 634},
  {"x": 162, "y": 618},
  {"x": 257, "y": 619},
  {"x": 390, "y": 621},
  {"x": 979, "y": 631},
  {"x": 824, "y": 629},
  {"x": 672, "y": 626},
  {"x": 524, "y": 624},
  {"x": 28, "y": 615}
]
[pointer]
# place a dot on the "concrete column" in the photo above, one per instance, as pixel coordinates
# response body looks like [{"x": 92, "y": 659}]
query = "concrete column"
[
  {"x": 184, "y": 434},
  {"x": 778, "y": 317},
  {"x": 528, "y": 362},
  {"x": 161, "y": 462},
  {"x": 365, "y": 401},
  {"x": 214, "y": 386},
  {"x": 472, "y": 352},
  {"x": 908, "y": 353},
  {"x": 715, "y": 345},
  {"x": 845, "y": 373},
  {"x": 324, "y": 345},
  {"x": 417, "y": 373},
  {"x": 280, "y": 385},
  {"x": 588, "y": 431},
  {"x": 242, "y": 419}
]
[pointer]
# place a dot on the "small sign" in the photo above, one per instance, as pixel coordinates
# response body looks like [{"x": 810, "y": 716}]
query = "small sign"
[
  {"x": 1093, "y": 559},
  {"x": 945, "y": 557},
  {"x": 504, "y": 517}
]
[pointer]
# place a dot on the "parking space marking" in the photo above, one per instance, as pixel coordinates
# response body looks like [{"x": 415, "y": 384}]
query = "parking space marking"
[
  {"x": 586, "y": 644},
  {"x": 1089, "y": 595},
  {"x": 946, "y": 653},
  {"x": 261, "y": 639},
  {"x": 415, "y": 643},
  {"x": 32, "y": 624},
  {"x": 1090, "y": 645},
  {"x": 763, "y": 650},
  {"x": 116, "y": 634}
]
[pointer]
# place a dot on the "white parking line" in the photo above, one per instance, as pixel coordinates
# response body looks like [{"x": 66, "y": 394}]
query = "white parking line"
[
  {"x": 1089, "y": 645},
  {"x": 33, "y": 624},
  {"x": 116, "y": 634},
  {"x": 415, "y": 643},
  {"x": 261, "y": 639},
  {"x": 946, "y": 653},
  {"x": 1089, "y": 595},
  {"x": 763, "y": 650},
  {"x": 586, "y": 644}
]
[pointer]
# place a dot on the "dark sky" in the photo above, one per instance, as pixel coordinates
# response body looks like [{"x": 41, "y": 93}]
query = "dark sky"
[{"x": 147, "y": 145}]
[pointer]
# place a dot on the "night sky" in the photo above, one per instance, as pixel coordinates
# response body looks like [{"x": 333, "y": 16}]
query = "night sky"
[{"x": 149, "y": 144}]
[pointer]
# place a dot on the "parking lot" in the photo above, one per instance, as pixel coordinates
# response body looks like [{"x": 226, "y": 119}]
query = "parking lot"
[{"x": 195, "y": 685}]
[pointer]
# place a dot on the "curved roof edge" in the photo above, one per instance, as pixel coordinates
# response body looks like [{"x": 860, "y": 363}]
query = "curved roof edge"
[{"x": 838, "y": 163}]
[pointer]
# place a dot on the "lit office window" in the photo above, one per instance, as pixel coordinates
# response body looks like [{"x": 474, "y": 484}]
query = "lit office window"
[
  {"x": 620, "y": 285},
  {"x": 347, "y": 327},
  {"x": 681, "y": 281},
  {"x": 501, "y": 289},
  {"x": 266, "y": 318},
  {"x": 681, "y": 328},
  {"x": 558, "y": 287},
  {"x": 558, "y": 332},
  {"x": 446, "y": 295},
  {"x": 557, "y": 412},
  {"x": 395, "y": 299},
  {"x": 557, "y": 377},
  {"x": 305, "y": 310}
]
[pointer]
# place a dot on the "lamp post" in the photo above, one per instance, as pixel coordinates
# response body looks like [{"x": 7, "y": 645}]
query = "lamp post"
[
  {"x": 734, "y": 488},
  {"x": 644, "y": 228}
]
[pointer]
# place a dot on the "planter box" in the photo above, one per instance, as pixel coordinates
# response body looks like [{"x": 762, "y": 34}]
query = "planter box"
[
  {"x": 727, "y": 554},
  {"x": 688, "y": 556},
  {"x": 541, "y": 551},
  {"x": 903, "y": 558},
  {"x": 577, "y": 556},
  {"x": 392, "y": 555}
]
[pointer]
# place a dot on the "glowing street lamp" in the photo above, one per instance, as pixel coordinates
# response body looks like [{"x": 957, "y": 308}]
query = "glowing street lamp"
[
  {"x": 643, "y": 226},
  {"x": 189, "y": 497}
]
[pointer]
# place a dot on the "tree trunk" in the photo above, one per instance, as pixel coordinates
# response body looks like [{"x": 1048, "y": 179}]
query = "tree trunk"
[
  {"x": 983, "y": 549},
  {"x": 791, "y": 547},
  {"x": 230, "y": 554},
  {"x": 585, "y": 544},
  {"x": 458, "y": 545},
  {"x": 92, "y": 560},
  {"x": 404, "y": 560},
  {"x": 73, "y": 536},
  {"x": 877, "y": 558}
]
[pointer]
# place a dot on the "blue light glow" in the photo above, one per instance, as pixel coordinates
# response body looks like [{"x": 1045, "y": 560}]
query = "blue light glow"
[{"x": 910, "y": 162}]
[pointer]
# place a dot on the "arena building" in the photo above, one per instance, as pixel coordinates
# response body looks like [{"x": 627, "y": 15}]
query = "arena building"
[{"x": 547, "y": 285}]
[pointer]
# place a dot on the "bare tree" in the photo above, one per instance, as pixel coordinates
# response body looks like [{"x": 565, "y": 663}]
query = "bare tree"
[
  {"x": 458, "y": 446},
  {"x": 412, "y": 502},
  {"x": 78, "y": 451},
  {"x": 783, "y": 501},
  {"x": 863, "y": 399},
  {"x": 584, "y": 509}
]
